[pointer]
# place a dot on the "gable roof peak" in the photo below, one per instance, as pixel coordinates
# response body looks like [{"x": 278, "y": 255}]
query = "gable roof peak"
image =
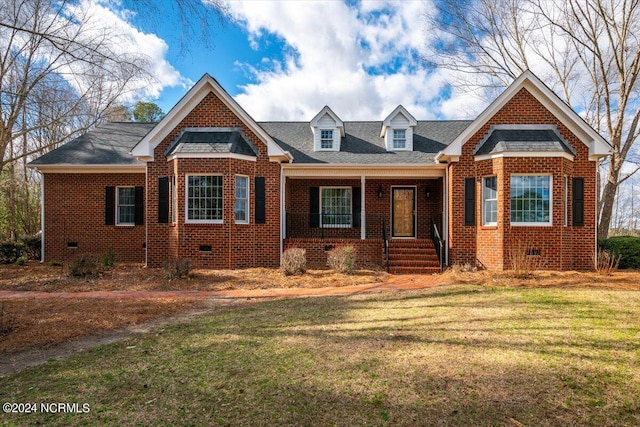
[
  {"x": 327, "y": 111},
  {"x": 598, "y": 146},
  {"x": 398, "y": 110},
  {"x": 205, "y": 85}
]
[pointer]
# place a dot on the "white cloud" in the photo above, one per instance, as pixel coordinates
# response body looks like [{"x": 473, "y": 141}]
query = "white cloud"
[{"x": 361, "y": 60}]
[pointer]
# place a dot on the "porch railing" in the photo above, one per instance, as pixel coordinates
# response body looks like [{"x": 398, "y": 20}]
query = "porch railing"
[
  {"x": 304, "y": 225},
  {"x": 385, "y": 242},
  {"x": 438, "y": 243}
]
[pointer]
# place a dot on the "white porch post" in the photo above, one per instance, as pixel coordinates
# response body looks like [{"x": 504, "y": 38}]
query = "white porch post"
[
  {"x": 363, "y": 216},
  {"x": 445, "y": 214},
  {"x": 283, "y": 212}
]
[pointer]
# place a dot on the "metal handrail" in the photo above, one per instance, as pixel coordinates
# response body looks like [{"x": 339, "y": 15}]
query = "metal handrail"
[
  {"x": 439, "y": 244},
  {"x": 385, "y": 242}
]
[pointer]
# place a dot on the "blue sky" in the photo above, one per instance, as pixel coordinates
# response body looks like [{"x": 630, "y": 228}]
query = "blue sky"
[{"x": 286, "y": 60}]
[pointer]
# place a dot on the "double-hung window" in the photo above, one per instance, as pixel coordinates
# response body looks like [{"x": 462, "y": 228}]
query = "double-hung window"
[
  {"x": 204, "y": 198},
  {"x": 490, "y": 200},
  {"x": 242, "y": 200},
  {"x": 531, "y": 199},
  {"x": 399, "y": 139},
  {"x": 126, "y": 206},
  {"x": 326, "y": 139},
  {"x": 336, "y": 207}
]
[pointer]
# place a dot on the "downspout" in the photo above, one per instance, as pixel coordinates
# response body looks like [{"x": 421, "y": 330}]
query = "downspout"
[
  {"x": 363, "y": 216},
  {"x": 283, "y": 222},
  {"x": 41, "y": 216},
  {"x": 146, "y": 220}
]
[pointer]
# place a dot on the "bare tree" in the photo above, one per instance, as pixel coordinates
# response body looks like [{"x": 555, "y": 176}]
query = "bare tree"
[
  {"x": 587, "y": 50},
  {"x": 59, "y": 72}
]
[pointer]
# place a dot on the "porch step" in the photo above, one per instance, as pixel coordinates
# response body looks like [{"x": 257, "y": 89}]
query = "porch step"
[
  {"x": 417, "y": 256},
  {"x": 414, "y": 270}
]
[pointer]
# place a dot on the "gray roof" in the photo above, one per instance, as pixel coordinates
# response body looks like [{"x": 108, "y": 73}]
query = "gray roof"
[
  {"x": 362, "y": 143},
  {"x": 109, "y": 143},
  {"x": 545, "y": 140},
  {"x": 193, "y": 141}
]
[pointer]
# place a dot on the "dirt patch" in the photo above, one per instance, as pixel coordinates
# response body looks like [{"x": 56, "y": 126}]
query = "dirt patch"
[
  {"x": 135, "y": 277},
  {"x": 42, "y": 323},
  {"x": 628, "y": 280}
]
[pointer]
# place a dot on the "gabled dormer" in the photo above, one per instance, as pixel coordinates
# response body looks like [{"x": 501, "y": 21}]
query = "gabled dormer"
[
  {"x": 327, "y": 129},
  {"x": 397, "y": 130}
]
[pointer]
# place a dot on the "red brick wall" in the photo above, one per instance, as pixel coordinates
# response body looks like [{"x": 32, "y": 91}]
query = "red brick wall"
[
  {"x": 74, "y": 210},
  {"x": 560, "y": 247},
  {"x": 368, "y": 252},
  {"x": 233, "y": 245},
  {"x": 297, "y": 201}
]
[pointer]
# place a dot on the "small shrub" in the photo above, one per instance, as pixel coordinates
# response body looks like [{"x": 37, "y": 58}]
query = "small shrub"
[
  {"x": 607, "y": 262},
  {"x": 22, "y": 260},
  {"x": 294, "y": 261},
  {"x": 625, "y": 247},
  {"x": 523, "y": 262},
  {"x": 10, "y": 252},
  {"x": 32, "y": 246},
  {"x": 7, "y": 320},
  {"x": 178, "y": 268},
  {"x": 55, "y": 263},
  {"x": 108, "y": 259},
  {"x": 82, "y": 265},
  {"x": 342, "y": 259}
]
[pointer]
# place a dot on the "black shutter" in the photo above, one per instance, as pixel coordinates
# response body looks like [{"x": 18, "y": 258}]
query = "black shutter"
[
  {"x": 469, "y": 201},
  {"x": 163, "y": 200},
  {"x": 109, "y": 205},
  {"x": 260, "y": 208},
  {"x": 356, "y": 205},
  {"x": 314, "y": 207},
  {"x": 578, "y": 201},
  {"x": 139, "y": 212}
]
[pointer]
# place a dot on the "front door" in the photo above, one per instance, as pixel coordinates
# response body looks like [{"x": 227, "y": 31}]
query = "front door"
[{"x": 403, "y": 212}]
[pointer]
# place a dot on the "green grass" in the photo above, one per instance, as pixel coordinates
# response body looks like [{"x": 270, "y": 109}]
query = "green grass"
[{"x": 457, "y": 355}]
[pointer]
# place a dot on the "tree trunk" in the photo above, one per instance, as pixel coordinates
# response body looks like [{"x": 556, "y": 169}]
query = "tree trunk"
[{"x": 608, "y": 199}]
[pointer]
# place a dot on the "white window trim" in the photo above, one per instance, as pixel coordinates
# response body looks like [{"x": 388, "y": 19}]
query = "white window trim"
[
  {"x": 333, "y": 132},
  {"x": 566, "y": 201},
  {"x": 489, "y": 224},
  {"x": 393, "y": 139},
  {"x": 407, "y": 135},
  {"x": 124, "y": 224},
  {"x": 248, "y": 199},
  {"x": 186, "y": 201},
  {"x": 333, "y": 187},
  {"x": 534, "y": 224},
  {"x": 174, "y": 200}
]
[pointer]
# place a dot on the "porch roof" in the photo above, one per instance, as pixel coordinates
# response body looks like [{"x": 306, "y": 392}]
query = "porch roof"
[{"x": 362, "y": 143}]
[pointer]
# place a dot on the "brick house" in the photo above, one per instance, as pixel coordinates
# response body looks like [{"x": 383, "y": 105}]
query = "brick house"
[{"x": 211, "y": 184}]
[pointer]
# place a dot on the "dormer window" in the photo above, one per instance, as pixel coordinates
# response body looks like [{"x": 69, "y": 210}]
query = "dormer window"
[
  {"x": 326, "y": 139},
  {"x": 399, "y": 139},
  {"x": 328, "y": 131},
  {"x": 397, "y": 130}
]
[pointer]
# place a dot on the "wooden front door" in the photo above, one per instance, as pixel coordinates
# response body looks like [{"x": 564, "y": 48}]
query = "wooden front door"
[{"x": 403, "y": 212}]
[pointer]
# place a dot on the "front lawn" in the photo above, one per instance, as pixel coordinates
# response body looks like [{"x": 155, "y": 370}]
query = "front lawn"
[{"x": 460, "y": 355}]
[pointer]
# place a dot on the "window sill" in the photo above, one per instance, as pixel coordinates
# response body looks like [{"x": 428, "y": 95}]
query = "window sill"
[
  {"x": 531, "y": 224},
  {"x": 203, "y": 222},
  {"x": 125, "y": 225},
  {"x": 489, "y": 227}
]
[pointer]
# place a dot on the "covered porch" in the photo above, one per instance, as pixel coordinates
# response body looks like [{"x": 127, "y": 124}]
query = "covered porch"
[{"x": 392, "y": 216}]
